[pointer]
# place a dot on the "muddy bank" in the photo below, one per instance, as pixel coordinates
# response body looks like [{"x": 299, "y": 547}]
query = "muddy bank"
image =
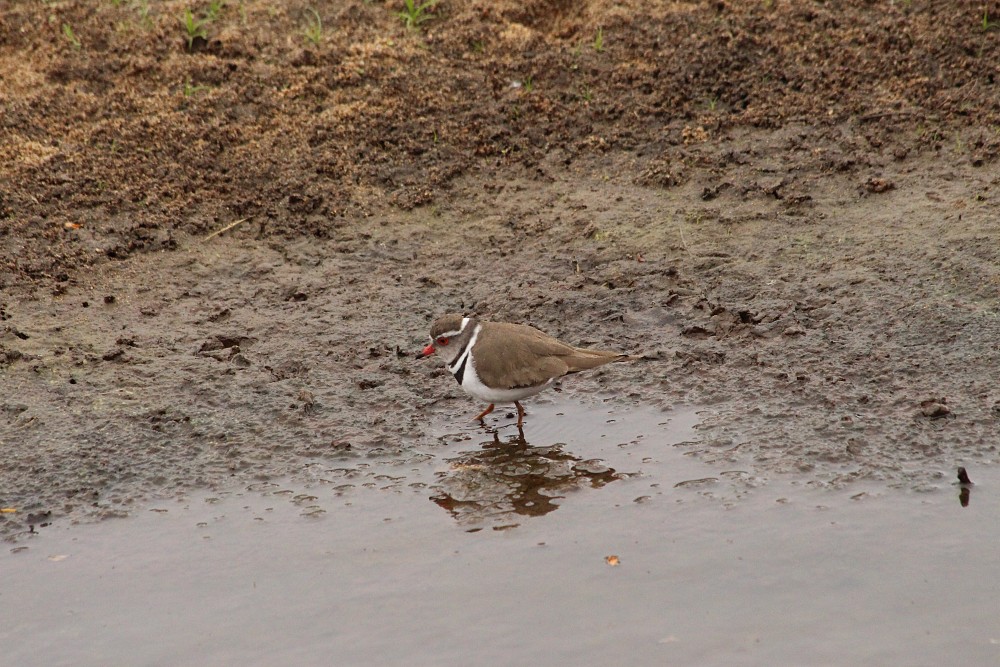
[
  {"x": 788, "y": 211},
  {"x": 853, "y": 336},
  {"x": 130, "y": 131}
]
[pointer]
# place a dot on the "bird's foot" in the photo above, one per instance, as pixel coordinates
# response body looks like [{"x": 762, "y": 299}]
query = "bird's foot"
[{"x": 482, "y": 414}]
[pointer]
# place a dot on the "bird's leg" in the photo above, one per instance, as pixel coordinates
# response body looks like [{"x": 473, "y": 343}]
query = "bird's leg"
[
  {"x": 482, "y": 414},
  {"x": 520, "y": 414}
]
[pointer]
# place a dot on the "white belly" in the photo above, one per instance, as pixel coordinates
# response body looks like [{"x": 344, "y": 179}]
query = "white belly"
[{"x": 474, "y": 387}]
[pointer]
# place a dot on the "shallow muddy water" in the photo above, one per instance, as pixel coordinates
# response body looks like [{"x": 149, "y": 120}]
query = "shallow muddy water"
[{"x": 594, "y": 538}]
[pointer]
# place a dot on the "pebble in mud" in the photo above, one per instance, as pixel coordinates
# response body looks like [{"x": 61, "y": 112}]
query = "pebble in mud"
[
  {"x": 934, "y": 408},
  {"x": 878, "y": 185}
]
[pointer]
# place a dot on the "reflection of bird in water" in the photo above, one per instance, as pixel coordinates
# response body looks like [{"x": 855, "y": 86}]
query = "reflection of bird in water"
[{"x": 503, "y": 479}]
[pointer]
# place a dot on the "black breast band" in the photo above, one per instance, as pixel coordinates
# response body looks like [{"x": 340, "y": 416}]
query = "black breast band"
[{"x": 460, "y": 373}]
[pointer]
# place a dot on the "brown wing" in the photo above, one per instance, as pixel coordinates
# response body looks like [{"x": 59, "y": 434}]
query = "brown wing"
[{"x": 530, "y": 357}]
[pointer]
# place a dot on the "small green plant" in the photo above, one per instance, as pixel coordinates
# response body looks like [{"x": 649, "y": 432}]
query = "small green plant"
[
  {"x": 599, "y": 40},
  {"x": 314, "y": 27},
  {"x": 987, "y": 23},
  {"x": 142, "y": 7},
  {"x": 586, "y": 94},
  {"x": 214, "y": 9},
  {"x": 413, "y": 15},
  {"x": 194, "y": 27},
  {"x": 529, "y": 84},
  {"x": 70, "y": 36},
  {"x": 190, "y": 89},
  {"x": 713, "y": 102}
]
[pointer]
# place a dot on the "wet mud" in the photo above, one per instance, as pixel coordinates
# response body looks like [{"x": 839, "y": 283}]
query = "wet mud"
[
  {"x": 813, "y": 350},
  {"x": 788, "y": 212}
]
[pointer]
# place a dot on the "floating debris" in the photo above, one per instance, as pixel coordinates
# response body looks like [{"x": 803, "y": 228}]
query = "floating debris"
[
  {"x": 966, "y": 485},
  {"x": 696, "y": 482}
]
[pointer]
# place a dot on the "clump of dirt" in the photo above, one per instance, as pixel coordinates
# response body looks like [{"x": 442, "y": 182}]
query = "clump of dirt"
[{"x": 788, "y": 209}]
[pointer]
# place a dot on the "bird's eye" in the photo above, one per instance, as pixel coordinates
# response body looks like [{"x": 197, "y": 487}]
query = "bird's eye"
[{"x": 442, "y": 340}]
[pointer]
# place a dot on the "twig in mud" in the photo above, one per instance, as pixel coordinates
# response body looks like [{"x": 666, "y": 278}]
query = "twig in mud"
[
  {"x": 685, "y": 243},
  {"x": 224, "y": 229},
  {"x": 885, "y": 114}
]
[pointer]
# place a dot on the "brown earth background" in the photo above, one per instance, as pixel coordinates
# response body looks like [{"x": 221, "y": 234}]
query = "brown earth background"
[{"x": 789, "y": 208}]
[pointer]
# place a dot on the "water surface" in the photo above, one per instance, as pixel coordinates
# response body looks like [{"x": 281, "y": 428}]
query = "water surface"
[{"x": 477, "y": 549}]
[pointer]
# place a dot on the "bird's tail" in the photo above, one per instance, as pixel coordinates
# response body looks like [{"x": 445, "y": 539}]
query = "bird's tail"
[{"x": 583, "y": 359}]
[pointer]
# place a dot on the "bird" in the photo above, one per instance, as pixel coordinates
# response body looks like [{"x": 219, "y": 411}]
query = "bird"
[{"x": 500, "y": 362}]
